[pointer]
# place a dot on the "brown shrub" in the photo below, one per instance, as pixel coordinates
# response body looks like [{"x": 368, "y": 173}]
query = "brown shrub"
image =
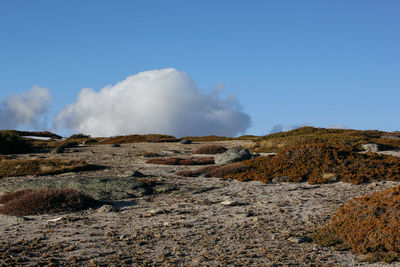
[
  {"x": 78, "y": 136},
  {"x": 210, "y": 149},
  {"x": 21, "y": 167},
  {"x": 45, "y": 201},
  {"x": 284, "y": 140},
  {"x": 310, "y": 162},
  {"x": 14, "y": 195},
  {"x": 135, "y": 138},
  {"x": 182, "y": 161},
  {"x": 214, "y": 171},
  {"x": 368, "y": 225}
]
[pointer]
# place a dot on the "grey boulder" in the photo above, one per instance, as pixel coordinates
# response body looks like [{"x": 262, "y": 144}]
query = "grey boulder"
[
  {"x": 371, "y": 147},
  {"x": 232, "y": 155}
]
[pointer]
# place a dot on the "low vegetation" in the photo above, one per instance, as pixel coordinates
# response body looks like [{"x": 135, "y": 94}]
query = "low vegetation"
[
  {"x": 321, "y": 163},
  {"x": 210, "y": 149},
  {"x": 136, "y": 138},
  {"x": 44, "y": 201},
  {"x": 367, "y": 225},
  {"x": 212, "y": 138},
  {"x": 182, "y": 161},
  {"x": 214, "y": 171},
  {"x": 281, "y": 141},
  {"x": 79, "y": 136},
  {"x": 22, "y": 167},
  {"x": 12, "y": 143},
  {"x": 105, "y": 189}
]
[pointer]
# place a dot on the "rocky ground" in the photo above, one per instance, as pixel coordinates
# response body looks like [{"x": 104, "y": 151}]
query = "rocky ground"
[{"x": 183, "y": 221}]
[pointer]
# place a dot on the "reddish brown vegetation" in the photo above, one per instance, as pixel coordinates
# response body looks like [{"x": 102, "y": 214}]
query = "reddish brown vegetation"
[
  {"x": 45, "y": 200},
  {"x": 284, "y": 140},
  {"x": 135, "y": 138},
  {"x": 210, "y": 149},
  {"x": 182, "y": 161},
  {"x": 310, "y": 162},
  {"x": 368, "y": 225},
  {"x": 214, "y": 171},
  {"x": 21, "y": 167}
]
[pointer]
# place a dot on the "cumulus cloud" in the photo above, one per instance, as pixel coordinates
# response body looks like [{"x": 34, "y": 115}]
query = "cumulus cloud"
[
  {"x": 25, "y": 109},
  {"x": 158, "y": 101}
]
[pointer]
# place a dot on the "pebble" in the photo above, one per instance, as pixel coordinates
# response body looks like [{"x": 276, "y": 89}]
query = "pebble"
[
  {"x": 230, "y": 203},
  {"x": 106, "y": 209}
]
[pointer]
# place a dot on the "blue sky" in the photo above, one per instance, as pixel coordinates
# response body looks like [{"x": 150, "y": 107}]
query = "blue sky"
[{"x": 322, "y": 63}]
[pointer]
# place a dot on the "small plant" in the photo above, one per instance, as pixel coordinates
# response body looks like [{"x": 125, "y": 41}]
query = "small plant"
[
  {"x": 12, "y": 143},
  {"x": 182, "y": 161},
  {"x": 214, "y": 171},
  {"x": 45, "y": 201},
  {"x": 210, "y": 149},
  {"x": 368, "y": 225}
]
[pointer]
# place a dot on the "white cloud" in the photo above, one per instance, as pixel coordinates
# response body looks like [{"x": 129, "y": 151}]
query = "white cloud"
[
  {"x": 159, "y": 101},
  {"x": 25, "y": 109}
]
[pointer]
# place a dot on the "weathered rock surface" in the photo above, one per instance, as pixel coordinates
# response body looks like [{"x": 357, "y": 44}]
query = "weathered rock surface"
[
  {"x": 232, "y": 155},
  {"x": 371, "y": 147}
]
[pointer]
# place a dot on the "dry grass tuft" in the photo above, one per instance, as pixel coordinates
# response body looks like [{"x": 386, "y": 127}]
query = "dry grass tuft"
[
  {"x": 210, "y": 149},
  {"x": 318, "y": 163},
  {"x": 368, "y": 225},
  {"x": 45, "y": 201},
  {"x": 21, "y": 167},
  {"x": 182, "y": 161},
  {"x": 214, "y": 171}
]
